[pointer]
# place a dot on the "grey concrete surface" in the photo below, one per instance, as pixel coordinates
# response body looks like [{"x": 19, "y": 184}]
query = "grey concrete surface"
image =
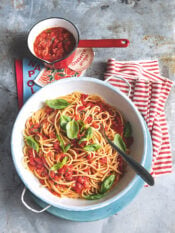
[{"x": 150, "y": 27}]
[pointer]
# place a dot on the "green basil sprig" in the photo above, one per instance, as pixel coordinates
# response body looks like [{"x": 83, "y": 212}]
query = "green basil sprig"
[
  {"x": 59, "y": 165},
  {"x": 64, "y": 120},
  {"x": 94, "y": 196},
  {"x": 66, "y": 148},
  {"x": 63, "y": 147},
  {"x": 92, "y": 147},
  {"x": 82, "y": 125},
  {"x": 89, "y": 133},
  {"x": 72, "y": 128},
  {"x": 87, "y": 136},
  {"x": 107, "y": 183},
  {"x": 57, "y": 103},
  {"x": 118, "y": 141},
  {"x": 127, "y": 130},
  {"x": 105, "y": 186},
  {"x": 60, "y": 140},
  {"x": 32, "y": 143}
]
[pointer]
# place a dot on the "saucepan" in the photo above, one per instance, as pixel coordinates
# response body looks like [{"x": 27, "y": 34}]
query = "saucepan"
[{"x": 58, "y": 42}]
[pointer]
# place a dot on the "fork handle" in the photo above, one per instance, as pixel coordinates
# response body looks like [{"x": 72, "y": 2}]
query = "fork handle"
[{"x": 138, "y": 168}]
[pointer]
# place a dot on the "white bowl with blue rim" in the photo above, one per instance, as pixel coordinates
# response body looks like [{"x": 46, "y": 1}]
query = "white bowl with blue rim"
[{"x": 128, "y": 186}]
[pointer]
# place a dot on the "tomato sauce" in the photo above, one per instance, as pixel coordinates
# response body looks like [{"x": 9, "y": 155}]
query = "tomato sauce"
[{"x": 54, "y": 43}]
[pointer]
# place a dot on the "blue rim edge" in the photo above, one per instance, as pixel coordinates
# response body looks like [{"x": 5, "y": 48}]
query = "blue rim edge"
[
  {"x": 107, "y": 211},
  {"x": 132, "y": 183}
]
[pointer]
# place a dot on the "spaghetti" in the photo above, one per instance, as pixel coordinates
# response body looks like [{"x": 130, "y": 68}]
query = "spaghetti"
[{"x": 65, "y": 149}]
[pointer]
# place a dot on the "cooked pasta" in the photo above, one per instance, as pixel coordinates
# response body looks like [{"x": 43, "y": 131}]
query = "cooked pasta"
[{"x": 65, "y": 148}]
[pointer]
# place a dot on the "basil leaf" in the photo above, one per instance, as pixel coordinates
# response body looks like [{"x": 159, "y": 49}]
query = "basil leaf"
[
  {"x": 82, "y": 128},
  {"x": 72, "y": 129},
  {"x": 92, "y": 147},
  {"x": 64, "y": 120},
  {"x": 32, "y": 143},
  {"x": 59, "y": 165},
  {"x": 118, "y": 141},
  {"x": 67, "y": 148},
  {"x": 83, "y": 139},
  {"x": 56, "y": 166},
  {"x": 57, "y": 103},
  {"x": 107, "y": 183},
  {"x": 94, "y": 197},
  {"x": 127, "y": 130},
  {"x": 82, "y": 125},
  {"x": 64, "y": 161},
  {"x": 61, "y": 142},
  {"x": 64, "y": 149},
  {"x": 88, "y": 133},
  {"x": 87, "y": 136}
]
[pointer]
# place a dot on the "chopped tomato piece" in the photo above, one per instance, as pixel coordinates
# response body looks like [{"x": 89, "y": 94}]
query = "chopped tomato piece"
[
  {"x": 52, "y": 174},
  {"x": 32, "y": 162},
  {"x": 62, "y": 170},
  {"x": 39, "y": 166},
  {"x": 103, "y": 160},
  {"x": 90, "y": 156},
  {"x": 42, "y": 182},
  {"x": 68, "y": 175},
  {"x": 80, "y": 108},
  {"x": 95, "y": 125},
  {"x": 89, "y": 119},
  {"x": 76, "y": 117},
  {"x": 90, "y": 104},
  {"x": 38, "y": 160},
  {"x": 56, "y": 178},
  {"x": 30, "y": 152},
  {"x": 78, "y": 187},
  {"x": 83, "y": 181},
  {"x": 44, "y": 172},
  {"x": 56, "y": 146},
  {"x": 48, "y": 110},
  {"x": 57, "y": 156},
  {"x": 82, "y": 98}
]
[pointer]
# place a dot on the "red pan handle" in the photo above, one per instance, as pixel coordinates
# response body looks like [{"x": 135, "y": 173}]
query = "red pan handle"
[{"x": 104, "y": 43}]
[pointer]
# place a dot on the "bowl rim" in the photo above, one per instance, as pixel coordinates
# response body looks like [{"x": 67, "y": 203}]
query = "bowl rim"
[
  {"x": 66, "y": 56},
  {"x": 93, "y": 206}
]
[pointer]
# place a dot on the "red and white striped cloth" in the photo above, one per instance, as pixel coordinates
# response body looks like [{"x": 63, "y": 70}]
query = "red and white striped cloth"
[{"x": 149, "y": 92}]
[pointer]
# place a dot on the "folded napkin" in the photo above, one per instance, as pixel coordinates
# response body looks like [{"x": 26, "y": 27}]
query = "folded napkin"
[{"x": 149, "y": 92}]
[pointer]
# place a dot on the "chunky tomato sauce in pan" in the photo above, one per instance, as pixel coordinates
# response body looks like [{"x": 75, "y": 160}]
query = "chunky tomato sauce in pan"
[{"x": 54, "y": 43}]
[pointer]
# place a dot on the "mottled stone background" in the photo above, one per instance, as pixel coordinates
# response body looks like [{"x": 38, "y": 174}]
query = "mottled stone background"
[{"x": 150, "y": 27}]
